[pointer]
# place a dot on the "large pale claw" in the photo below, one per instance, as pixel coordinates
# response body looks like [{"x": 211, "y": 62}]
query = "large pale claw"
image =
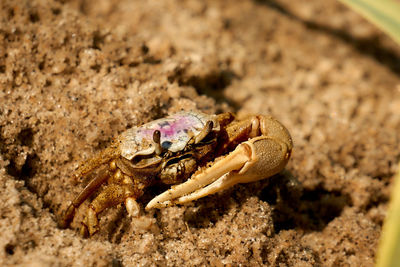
[{"x": 256, "y": 159}]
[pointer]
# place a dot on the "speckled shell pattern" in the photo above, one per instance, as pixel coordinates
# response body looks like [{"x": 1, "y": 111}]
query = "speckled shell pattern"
[{"x": 176, "y": 131}]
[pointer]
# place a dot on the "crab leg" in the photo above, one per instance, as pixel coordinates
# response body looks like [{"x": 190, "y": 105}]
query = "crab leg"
[
  {"x": 101, "y": 176},
  {"x": 112, "y": 195}
]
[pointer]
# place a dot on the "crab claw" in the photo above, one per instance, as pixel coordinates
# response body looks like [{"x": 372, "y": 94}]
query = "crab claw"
[{"x": 256, "y": 159}]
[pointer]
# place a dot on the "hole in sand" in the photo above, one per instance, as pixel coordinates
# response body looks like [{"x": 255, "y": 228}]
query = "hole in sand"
[{"x": 9, "y": 249}]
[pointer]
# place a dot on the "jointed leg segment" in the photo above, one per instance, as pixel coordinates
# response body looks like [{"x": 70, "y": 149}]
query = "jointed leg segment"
[
  {"x": 112, "y": 195},
  {"x": 101, "y": 176},
  {"x": 120, "y": 189}
]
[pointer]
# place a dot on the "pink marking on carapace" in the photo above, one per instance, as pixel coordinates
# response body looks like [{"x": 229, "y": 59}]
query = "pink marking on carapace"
[{"x": 171, "y": 128}]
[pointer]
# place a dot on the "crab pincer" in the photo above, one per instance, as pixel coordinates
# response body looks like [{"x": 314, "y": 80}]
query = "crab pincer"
[{"x": 258, "y": 158}]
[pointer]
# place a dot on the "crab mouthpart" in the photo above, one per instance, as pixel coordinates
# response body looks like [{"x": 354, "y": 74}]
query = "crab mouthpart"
[{"x": 253, "y": 160}]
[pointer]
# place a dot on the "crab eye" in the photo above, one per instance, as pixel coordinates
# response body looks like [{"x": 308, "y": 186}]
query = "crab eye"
[
  {"x": 210, "y": 134},
  {"x": 156, "y": 136},
  {"x": 156, "y": 140}
]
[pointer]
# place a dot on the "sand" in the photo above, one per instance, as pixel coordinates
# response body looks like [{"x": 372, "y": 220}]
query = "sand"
[{"x": 74, "y": 74}]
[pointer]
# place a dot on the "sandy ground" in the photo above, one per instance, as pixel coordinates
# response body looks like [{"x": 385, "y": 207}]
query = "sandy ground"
[{"x": 73, "y": 74}]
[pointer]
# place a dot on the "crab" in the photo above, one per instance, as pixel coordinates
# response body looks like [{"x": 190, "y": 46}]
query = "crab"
[{"x": 198, "y": 154}]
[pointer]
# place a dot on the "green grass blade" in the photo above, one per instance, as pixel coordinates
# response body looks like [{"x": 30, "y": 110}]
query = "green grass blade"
[
  {"x": 384, "y": 13},
  {"x": 389, "y": 247}
]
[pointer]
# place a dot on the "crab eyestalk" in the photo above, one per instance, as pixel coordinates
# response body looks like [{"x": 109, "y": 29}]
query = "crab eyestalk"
[
  {"x": 157, "y": 141},
  {"x": 206, "y": 130}
]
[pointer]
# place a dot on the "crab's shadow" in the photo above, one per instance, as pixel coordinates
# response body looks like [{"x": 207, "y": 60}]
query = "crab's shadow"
[
  {"x": 296, "y": 207},
  {"x": 292, "y": 205}
]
